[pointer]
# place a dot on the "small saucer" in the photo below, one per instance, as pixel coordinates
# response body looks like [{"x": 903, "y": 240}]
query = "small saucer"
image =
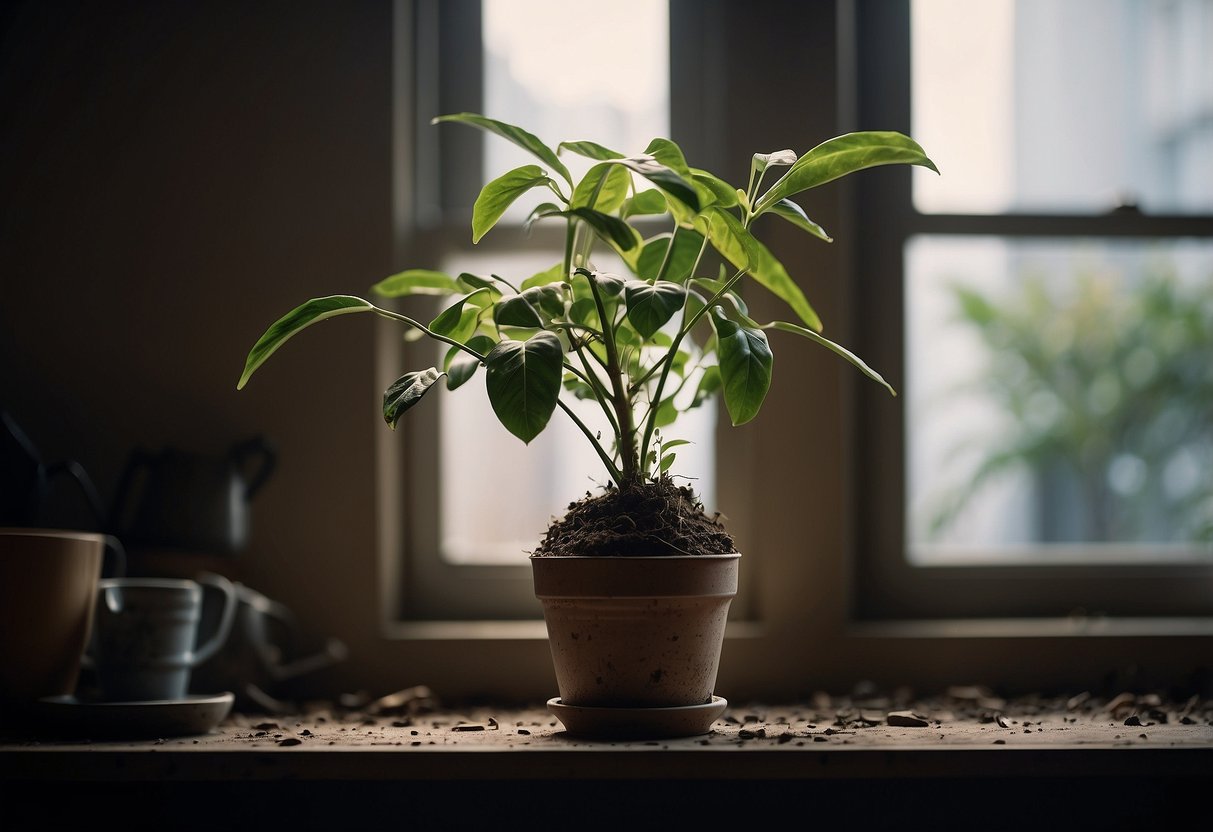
[
  {"x": 86, "y": 718},
  {"x": 638, "y": 723}
]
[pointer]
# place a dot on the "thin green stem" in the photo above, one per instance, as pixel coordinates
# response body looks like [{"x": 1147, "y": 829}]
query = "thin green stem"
[
  {"x": 620, "y": 400},
  {"x": 387, "y": 313},
  {"x": 667, "y": 360},
  {"x": 611, "y": 467}
]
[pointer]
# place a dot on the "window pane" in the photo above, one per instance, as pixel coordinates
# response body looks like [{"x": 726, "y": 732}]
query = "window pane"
[
  {"x": 610, "y": 86},
  {"x": 1060, "y": 394},
  {"x": 1075, "y": 106},
  {"x": 498, "y": 495}
]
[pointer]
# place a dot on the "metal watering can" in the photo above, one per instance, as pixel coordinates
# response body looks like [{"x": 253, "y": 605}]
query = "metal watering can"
[{"x": 191, "y": 502}]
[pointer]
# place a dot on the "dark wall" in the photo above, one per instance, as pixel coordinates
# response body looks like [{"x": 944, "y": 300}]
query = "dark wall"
[{"x": 173, "y": 177}]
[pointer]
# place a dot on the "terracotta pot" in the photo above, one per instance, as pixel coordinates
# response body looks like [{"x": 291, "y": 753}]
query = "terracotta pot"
[{"x": 636, "y": 632}]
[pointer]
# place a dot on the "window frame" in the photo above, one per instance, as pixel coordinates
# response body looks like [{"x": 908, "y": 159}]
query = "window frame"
[
  {"x": 892, "y": 587},
  {"x": 793, "y": 496},
  {"x": 434, "y": 203}
]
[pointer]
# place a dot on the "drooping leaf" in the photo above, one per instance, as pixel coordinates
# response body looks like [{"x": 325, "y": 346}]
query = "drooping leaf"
[
  {"x": 416, "y": 282},
  {"x": 406, "y": 391},
  {"x": 650, "y": 306},
  {"x": 743, "y": 250},
  {"x": 458, "y": 320},
  {"x": 591, "y": 150},
  {"x": 663, "y": 177},
  {"x": 843, "y": 155},
  {"x": 498, "y": 195},
  {"x": 610, "y": 228},
  {"x": 460, "y": 366},
  {"x": 828, "y": 344},
  {"x": 517, "y": 135},
  {"x": 302, "y": 316},
  {"x": 523, "y": 380},
  {"x": 794, "y": 214},
  {"x": 745, "y": 367}
]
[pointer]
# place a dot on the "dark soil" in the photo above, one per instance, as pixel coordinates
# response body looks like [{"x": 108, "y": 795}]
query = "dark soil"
[{"x": 653, "y": 518}]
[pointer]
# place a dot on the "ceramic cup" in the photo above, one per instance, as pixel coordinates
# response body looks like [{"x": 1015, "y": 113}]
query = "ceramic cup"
[
  {"x": 48, "y": 590},
  {"x": 145, "y": 633}
]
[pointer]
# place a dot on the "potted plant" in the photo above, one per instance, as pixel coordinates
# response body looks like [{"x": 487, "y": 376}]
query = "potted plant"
[{"x": 635, "y": 580}]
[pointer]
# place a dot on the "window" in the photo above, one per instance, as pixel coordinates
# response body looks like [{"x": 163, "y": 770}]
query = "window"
[
  {"x": 466, "y": 547},
  {"x": 1052, "y": 296},
  {"x": 815, "y": 490}
]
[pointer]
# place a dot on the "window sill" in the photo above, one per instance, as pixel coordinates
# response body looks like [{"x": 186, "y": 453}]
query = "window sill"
[
  {"x": 1090, "y": 626},
  {"x": 972, "y": 756}
]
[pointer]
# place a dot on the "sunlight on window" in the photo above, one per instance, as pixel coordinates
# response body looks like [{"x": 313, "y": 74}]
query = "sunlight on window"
[
  {"x": 1045, "y": 106},
  {"x": 1059, "y": 391},
  {"x": 616, "y": 78}
]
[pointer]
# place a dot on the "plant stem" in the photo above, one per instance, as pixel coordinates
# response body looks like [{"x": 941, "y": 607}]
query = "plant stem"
[
  {"x": 612, "y": 469},
  {"x": 667, "y": 360},
  {"x": 626, "y": 433},
  {"x": 387, "y": 313}
]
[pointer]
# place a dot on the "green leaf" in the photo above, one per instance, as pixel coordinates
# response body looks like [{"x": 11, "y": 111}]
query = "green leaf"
[
  {"x": 669, "y": 154},
  {"x": 458, "y": 322},
  {"x": 498, "y": 195},
  {"x": 555, "y": 274},
  {"x": 762, "y": 161},
  {"x": 709, "y": 383},
  {"x": 514, "y": 134},
  {"x": 724, "y": 193},
  {"x": 644, "y": 203},
  {"x": 666, "y": 461},
  {"x": 650, "y": 306},
  {"x": 615, "y": 185},
  {"x": 406, "y": 391},
  {"x": 471, "y": 282},
  {"x": 543, "y": 209},
  {"x": 591, "y": 150},
  {"x": 828, "y": 344},
  {"x": 743, "y": 250},
  {"x": 460, "y": 366},
  {"x": 546, "y": 299},
  {"x": 612, "y": 229},
  {"x": 664, "y": 178},
  {"x": 794, "y": 214},
  {"x": 843, "y": 155},
  {"x": 416, "y": 282},
  {"x": 517, "y": 311},
  {"x": 745, "y": 367},
  {"x": 687, "y": 244},
  {"x": 523, "y": 380},
  {"x": 316, "y": 309}
]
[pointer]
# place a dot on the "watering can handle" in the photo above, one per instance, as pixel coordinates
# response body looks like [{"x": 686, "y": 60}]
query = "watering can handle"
[{"x": 257, "y": 446}]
